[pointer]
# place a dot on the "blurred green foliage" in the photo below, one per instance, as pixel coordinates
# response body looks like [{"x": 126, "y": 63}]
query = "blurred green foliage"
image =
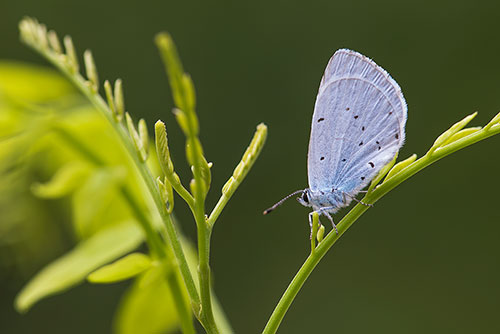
[
  {"x": 411, "y": 266},
  {"x": 27, "y": 223},
  {"x": 50, "y": 144}
]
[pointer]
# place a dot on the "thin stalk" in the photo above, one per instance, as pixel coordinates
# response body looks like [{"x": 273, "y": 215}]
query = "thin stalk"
[
  {"x": 143, "y": 170},
  {"x": 184, "y": 311},
  {"x": 153, "y": 239},
  {"x": 217, "y": 210},
  {"x": 351, "y": 217},
  {"x": 204, "y": 235}
]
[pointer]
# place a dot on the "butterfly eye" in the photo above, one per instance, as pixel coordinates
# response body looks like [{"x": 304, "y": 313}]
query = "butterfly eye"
[{"x": 304, "y": 197}]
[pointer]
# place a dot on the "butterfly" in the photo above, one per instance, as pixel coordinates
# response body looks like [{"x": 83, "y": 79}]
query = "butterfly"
[{"x": 358, "y": 126}]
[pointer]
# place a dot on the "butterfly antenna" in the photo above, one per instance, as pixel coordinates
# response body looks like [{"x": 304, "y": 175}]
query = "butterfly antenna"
[{"x": 282, "y": 201}]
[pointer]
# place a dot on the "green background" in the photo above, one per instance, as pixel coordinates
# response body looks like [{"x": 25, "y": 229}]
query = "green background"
[{"x": 424, "y": 260}]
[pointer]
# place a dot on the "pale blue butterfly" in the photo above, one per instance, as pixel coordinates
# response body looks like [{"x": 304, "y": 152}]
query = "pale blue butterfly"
[{"x": 357, "y": 128}]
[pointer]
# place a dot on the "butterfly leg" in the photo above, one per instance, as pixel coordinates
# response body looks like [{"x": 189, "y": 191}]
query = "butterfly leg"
[
  {"x": 311, "y": 222},
  {"x": 324, "y": 212},
  {"x": 357, "y": 200},
  {"x": 331, "y": 220}
]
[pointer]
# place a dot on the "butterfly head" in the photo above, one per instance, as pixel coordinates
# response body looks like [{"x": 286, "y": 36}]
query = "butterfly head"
[{"x": 305, "y": 198}]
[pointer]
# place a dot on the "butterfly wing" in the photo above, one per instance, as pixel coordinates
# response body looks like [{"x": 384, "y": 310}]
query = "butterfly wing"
[{"x": 357, "y": 126}]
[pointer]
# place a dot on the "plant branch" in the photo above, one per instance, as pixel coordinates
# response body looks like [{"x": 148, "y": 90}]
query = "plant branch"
[
  {"x": 33, "y": 34},
  {"x": 439, "y": 150},
  {"x": 153, "y": 240},
  {"x": 249, "y": 157},
  {"x": 184, "y": 98}
]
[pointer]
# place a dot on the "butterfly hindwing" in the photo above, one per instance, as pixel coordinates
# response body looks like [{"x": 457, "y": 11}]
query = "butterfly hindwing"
[{"x": 357, "y": 126}]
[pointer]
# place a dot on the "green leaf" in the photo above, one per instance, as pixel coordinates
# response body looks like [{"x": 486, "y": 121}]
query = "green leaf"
[
  {"x": 44, "y": 84},
  {"x": 72, "y": 268},
  {"x": 450, "y": 132},
  {"x": 91, "y": 70},
  {"x": 460, "y": 134},
  {"x": 119, "y": 99},
  {"x": 173, "y": 66},
  {"x": 136, "y": 138},
  {"x": 122, "y": 269},
  {"x": 400, "y": 166},
  {"x": 71, "y": 53},
  {"x": 93, "y": 201},
  {"x": 66, "y": 179},
  {"x": 148, "y": 306}
]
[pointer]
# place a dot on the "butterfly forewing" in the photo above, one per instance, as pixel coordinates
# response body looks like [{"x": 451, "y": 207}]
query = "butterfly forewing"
[{"x": 357, "y": 126}]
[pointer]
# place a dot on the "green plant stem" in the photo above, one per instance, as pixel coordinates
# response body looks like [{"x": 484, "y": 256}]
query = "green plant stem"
[
  {"x": 217, "y": 210},
  {"x": 314, "y": 231},
  {"x": 349, "y": 219},
  {"x": 204, "y": 235},
  {"x": 184, "y": 311},
  {"x": 204, "y": 230},
  {"x": 153, "y": 239},
  {"x": 122, "y": 133}
]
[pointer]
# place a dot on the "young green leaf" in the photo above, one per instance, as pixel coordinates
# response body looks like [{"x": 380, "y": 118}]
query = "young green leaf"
[
  {"x": 72, "y": 268},
  {"x": 450, "y": 132},
  {"x": 400, "y": 166},
  {"x": 494, "y": 120},
  {"x": 41, "y": 35},
  {"x": 64, "y": 181},
  {"x": 147, "y": 307},
  {"x": 110, "y": 99},
  {"x": 162, "y": 148},
  {"x": 119, "y": 100},
  {"x": 249, "y": 157},
  {"x": 54, "y": 41},
  {"x": 166, "y": 163},
  {"x": 173, "y": 67},
  {"x": 320, "y": 234},
  {"x": 91, "y": 70},
  {"x": 166, "y": 193},
  {"x": 136, "y": 138},
  {"x": 71, "y": 54},
  {"x": 182, "y": 120},
  {"x": 92, "y": 201},
  {"x": 188, "y": 87},
  {"x": 143, "y": 136},
  {"x": 247, "y": 160},
  {"x": 461, "y": 134},
  {"x": 127, "y": 267}
]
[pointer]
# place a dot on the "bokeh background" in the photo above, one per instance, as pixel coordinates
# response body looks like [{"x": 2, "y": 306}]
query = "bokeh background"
[{"x": 424, "y": 260}]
